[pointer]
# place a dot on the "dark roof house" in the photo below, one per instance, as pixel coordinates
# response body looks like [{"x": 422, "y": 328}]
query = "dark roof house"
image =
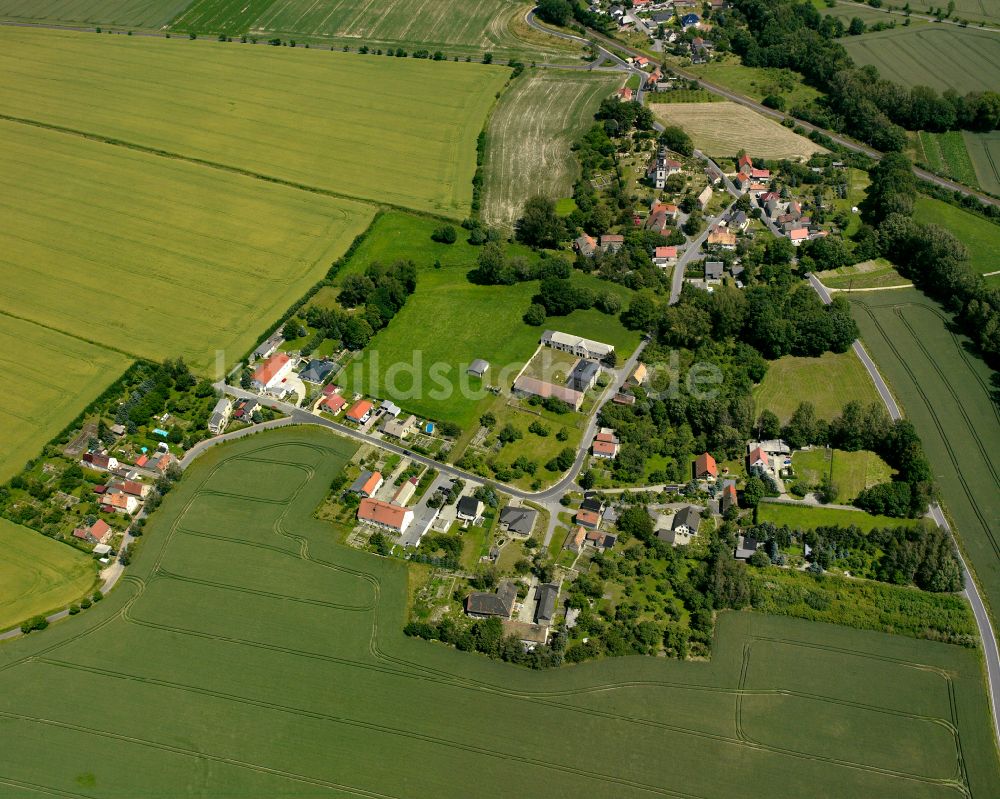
[
  {"x": 584, "y": 375},
  {"x": 317, "y": 370},
  {"x": 546, "y": 610},
  {"x": 518, "y": 520},
  {"x": 484, "y": 603}
]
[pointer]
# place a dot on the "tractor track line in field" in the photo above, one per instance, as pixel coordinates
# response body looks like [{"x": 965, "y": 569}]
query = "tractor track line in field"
[{"x": 130, "y": 355}]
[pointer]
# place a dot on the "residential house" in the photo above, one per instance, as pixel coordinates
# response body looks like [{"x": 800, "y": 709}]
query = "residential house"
[
  {"x": 400, "y": 428},
  {"x": 367, "y": 484},
  {"x": 758, "y": 459},
  {"x": 771, "y": 205},
  {"x": 478, "y": 367},
  {"x": 99, "y": 532},
  {"x": 612, "y": 242},
  {"x": 622, "y": 398},
  {"x": 664, "y": 256},
  {"x": 530, "y": 386},
  {"x": 576, "y": 539},
  {"x": 728, "y": 499},
  {"x": 220, "y": 416},
  {"x": 798, "y": 235},
  {"x": 545, "y": 611},
  {"x": 268, "y": 347},
  {"x": 746, "y": 545},
  {"x": 654, "y": 77},
  {"x": 360, "y": 412},
  {"x": 593, "y": 503},
  {"x": 160, "y": 462},
  {"x": 795, "y": 209},
  {"x": 580, "y": 347},
  {"x": 405, "y": 492},
  {"x": 483, "y": 604},
  {"x": 333, "y": 403},
  {"x": 588, "y": 519},
  {"x": 519, "y": 520},
  {"x": 272, "y": 372},
  {"x": 132, "y": 487},
  {"x": 721, "y": 237},
  {"x": 738, "y": 221},
  {"x": 469, "y": 508},
  {"x": 100, "y": 462},
  {"x": 390, "y": 409},
  {"x": 384, "y": 515},
  {"x": 625, "y": 94},
  {"x": 685, "y": 524},
  {"x": 243, "y": 411},
  {"x": 690, "y": 21},
  {"x": 605, "y": 444},
  {"x": 584, "y": 375},
  {"x": 317, "y": 370},
  {"x": 772, "y": 446},
  {"x": 120, "y": 503},
  {"x": 530, "y": 635},
  {"x": 705, "y": 198},
  {"x": 713, "y": 271},
  {"x": 699, "y": 52},
  {"x": 705, "y": 467},
  {"x": 638, "y": 376},
  {"x": 585, "y": 245}
]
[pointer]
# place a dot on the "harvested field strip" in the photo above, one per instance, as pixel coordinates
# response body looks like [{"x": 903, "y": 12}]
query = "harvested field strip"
[
  {"x": 984, "y": 151},
  {"x": 530, "y": 135},
  {"x": 75, "y": 215},
  {"x": 948, "y": 397},
  {"x": 722, "y": 129},
  {"x": 345, "y": 676},
  {"x": 940, "y": 56},
  {"x": 242, "y": 106}
]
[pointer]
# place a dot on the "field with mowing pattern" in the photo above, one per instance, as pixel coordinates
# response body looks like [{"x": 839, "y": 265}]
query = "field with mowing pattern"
[
  {"x": 126, "y": 13},
  {"x": 38, "y": 575},
  {"x": 529, "y": 138},
  {"x": 722, "y": 129},
  {"x": 808, "y": 517},
  {"x": 400, "y": 131},
  {"x": 940, "y": 56},
  {"x": 829, "y": 382},
  {"x": 851, "y": 472},
  {"x": 946, "y": 154},
  {"x": 948, "y": 396},
  {"x": 153, "y": 256},
  {"x": 981, "y": 236},
  {"x": 298, "y": 681},
  {"x": 51, "y": 378},
  {"x": 984, "y": 151}
]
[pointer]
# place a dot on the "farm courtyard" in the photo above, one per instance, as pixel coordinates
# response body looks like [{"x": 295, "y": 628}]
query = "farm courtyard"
[{"x": 302, "y": 654}]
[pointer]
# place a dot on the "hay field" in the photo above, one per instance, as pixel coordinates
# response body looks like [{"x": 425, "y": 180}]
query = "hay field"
[
  {"x": 722, "y": 129},
  {"x": 401, "y": 131},
  {"x": 948, "y": 396},
  {"x": 151, "y": 256},
  {"x": 127, "y": 13},
  {"x": 984, "y": 151},
  {"x": 39, "y": 576},
  {"x": 979, "y": 235},
  {"x": 273, "y": 664},
  {"x": 530, "y": 135},
  {"x": 829, "y": 382},
  {"x": 941, "y": 56},
  {"x": 50, "y": 377},
  {"x": 851, "y": 472}
]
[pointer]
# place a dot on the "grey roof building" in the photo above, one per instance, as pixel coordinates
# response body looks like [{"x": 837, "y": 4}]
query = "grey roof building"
[
  {"x": 686, "y": 520},
  {"x": 316, "y": 370},
  {"x": 713, "y": 270},
  {"x": 583, "y": 376},
  {"x": 469, "y": 507},
  {"x": 478, "y": 367},
  {"x": 518, "y": 520},
  {"x": 546, "y": 610},
  {"x": 485, "y": 603},
  {"x": 745, "y": 547}
]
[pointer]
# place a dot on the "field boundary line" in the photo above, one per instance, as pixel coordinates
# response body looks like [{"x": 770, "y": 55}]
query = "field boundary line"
[
  {"x": 130, "y": 355},
  {"x": 235, "y": 170}
]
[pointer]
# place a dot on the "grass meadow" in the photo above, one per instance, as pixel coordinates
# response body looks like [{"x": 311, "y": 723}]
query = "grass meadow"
[
  {"x": 809, "y": 517},
  {"x": 981, "y": 236},
  {"x": 529, "y": 138},
  {"x": 273, "y": 663},
  {"x": 877, "y": 273},
  {"x": 39, "y": 575},
  {"x": 947, "y": 394},
  {"x": 757, "y": 82},
  {"x": 984, "y": 151},
  {"x": 155, "y": 257},
  {"x": 851, "y": 472},
  {"x": 127, "y": 13},
  {"x": 51, "y": 377},
  {"x": 946, "y": 154},
  {"x": 940, "y": 56},
  {"x": 829, "y": 382},
  {"x": 722, "y": 129},
  {"x": 448, "y": 322},
  {"x": 399, "y": 131}
]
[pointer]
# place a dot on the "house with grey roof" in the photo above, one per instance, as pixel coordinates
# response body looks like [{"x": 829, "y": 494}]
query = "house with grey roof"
[
  {"x": 518, "y": 520},
  {"x": 685, "y": 524},
  {"x": 547, "y": 595},
  {"x": 713, "y": 271},
  {"x": 317, "y": 370},
  {"x": 220, "y": 416},
  {"x": 584, "y": 375},
  {"x": 484, "y": 604}
]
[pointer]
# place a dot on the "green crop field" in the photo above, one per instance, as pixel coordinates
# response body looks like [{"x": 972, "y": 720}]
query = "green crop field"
[
  {"x": 946, "y": 154},
  {"x": 52, "y": 378},
  {"x": 155, "y": 257},
  {"x": 127, "y": 13},
  {"x": 828, "y": 382},
  {"x": 39, "y": 575},
  {"x": 981, "y": 236},
  {"x": 529, "y": 139},
  {"x": 809, "y": 517},
  {"x": 948, "y": 396},
  {"x": 399, "y": 131},
  {"x": 851, "y": 472},
  {"x": 248, "y": 654},
  {"x": 984, "y": 150},
  {"x": 940, "y": 56}
]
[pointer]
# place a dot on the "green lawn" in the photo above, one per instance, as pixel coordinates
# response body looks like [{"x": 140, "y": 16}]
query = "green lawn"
[
  {"x": 878, "y": 273},
  {"x": 39, "y": 576},
  {"x": 401, "y": 131},
  {"x": 828, "y": 382},
  {"x": 979, "y": 235},
  {"x": 808, "y": 517},
  {"x": 947, "y": 394},
  {"x": 851, "y": 472},
  {"x": 757, "y": 82},
  {"x": 420, "y": 359},
  {"x": 251, "y": 655}
]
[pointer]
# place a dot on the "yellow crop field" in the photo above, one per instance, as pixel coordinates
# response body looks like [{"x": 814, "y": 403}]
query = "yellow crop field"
[
  {"x": 723, "y": 129},
  {"x": 396, "y": 130}
]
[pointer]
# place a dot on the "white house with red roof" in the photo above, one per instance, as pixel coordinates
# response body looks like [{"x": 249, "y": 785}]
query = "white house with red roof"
[
  {"x": 385, "y": 515},
  {"x": 272, "y": 372},
  {"x": 664, "y": 256}
]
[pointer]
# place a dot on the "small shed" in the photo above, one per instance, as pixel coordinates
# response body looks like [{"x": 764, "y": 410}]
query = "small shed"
[{"x": 479, "y": 367}]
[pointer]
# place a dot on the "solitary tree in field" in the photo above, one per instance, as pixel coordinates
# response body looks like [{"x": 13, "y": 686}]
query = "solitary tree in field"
[{"x": 539, "y": 225}]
